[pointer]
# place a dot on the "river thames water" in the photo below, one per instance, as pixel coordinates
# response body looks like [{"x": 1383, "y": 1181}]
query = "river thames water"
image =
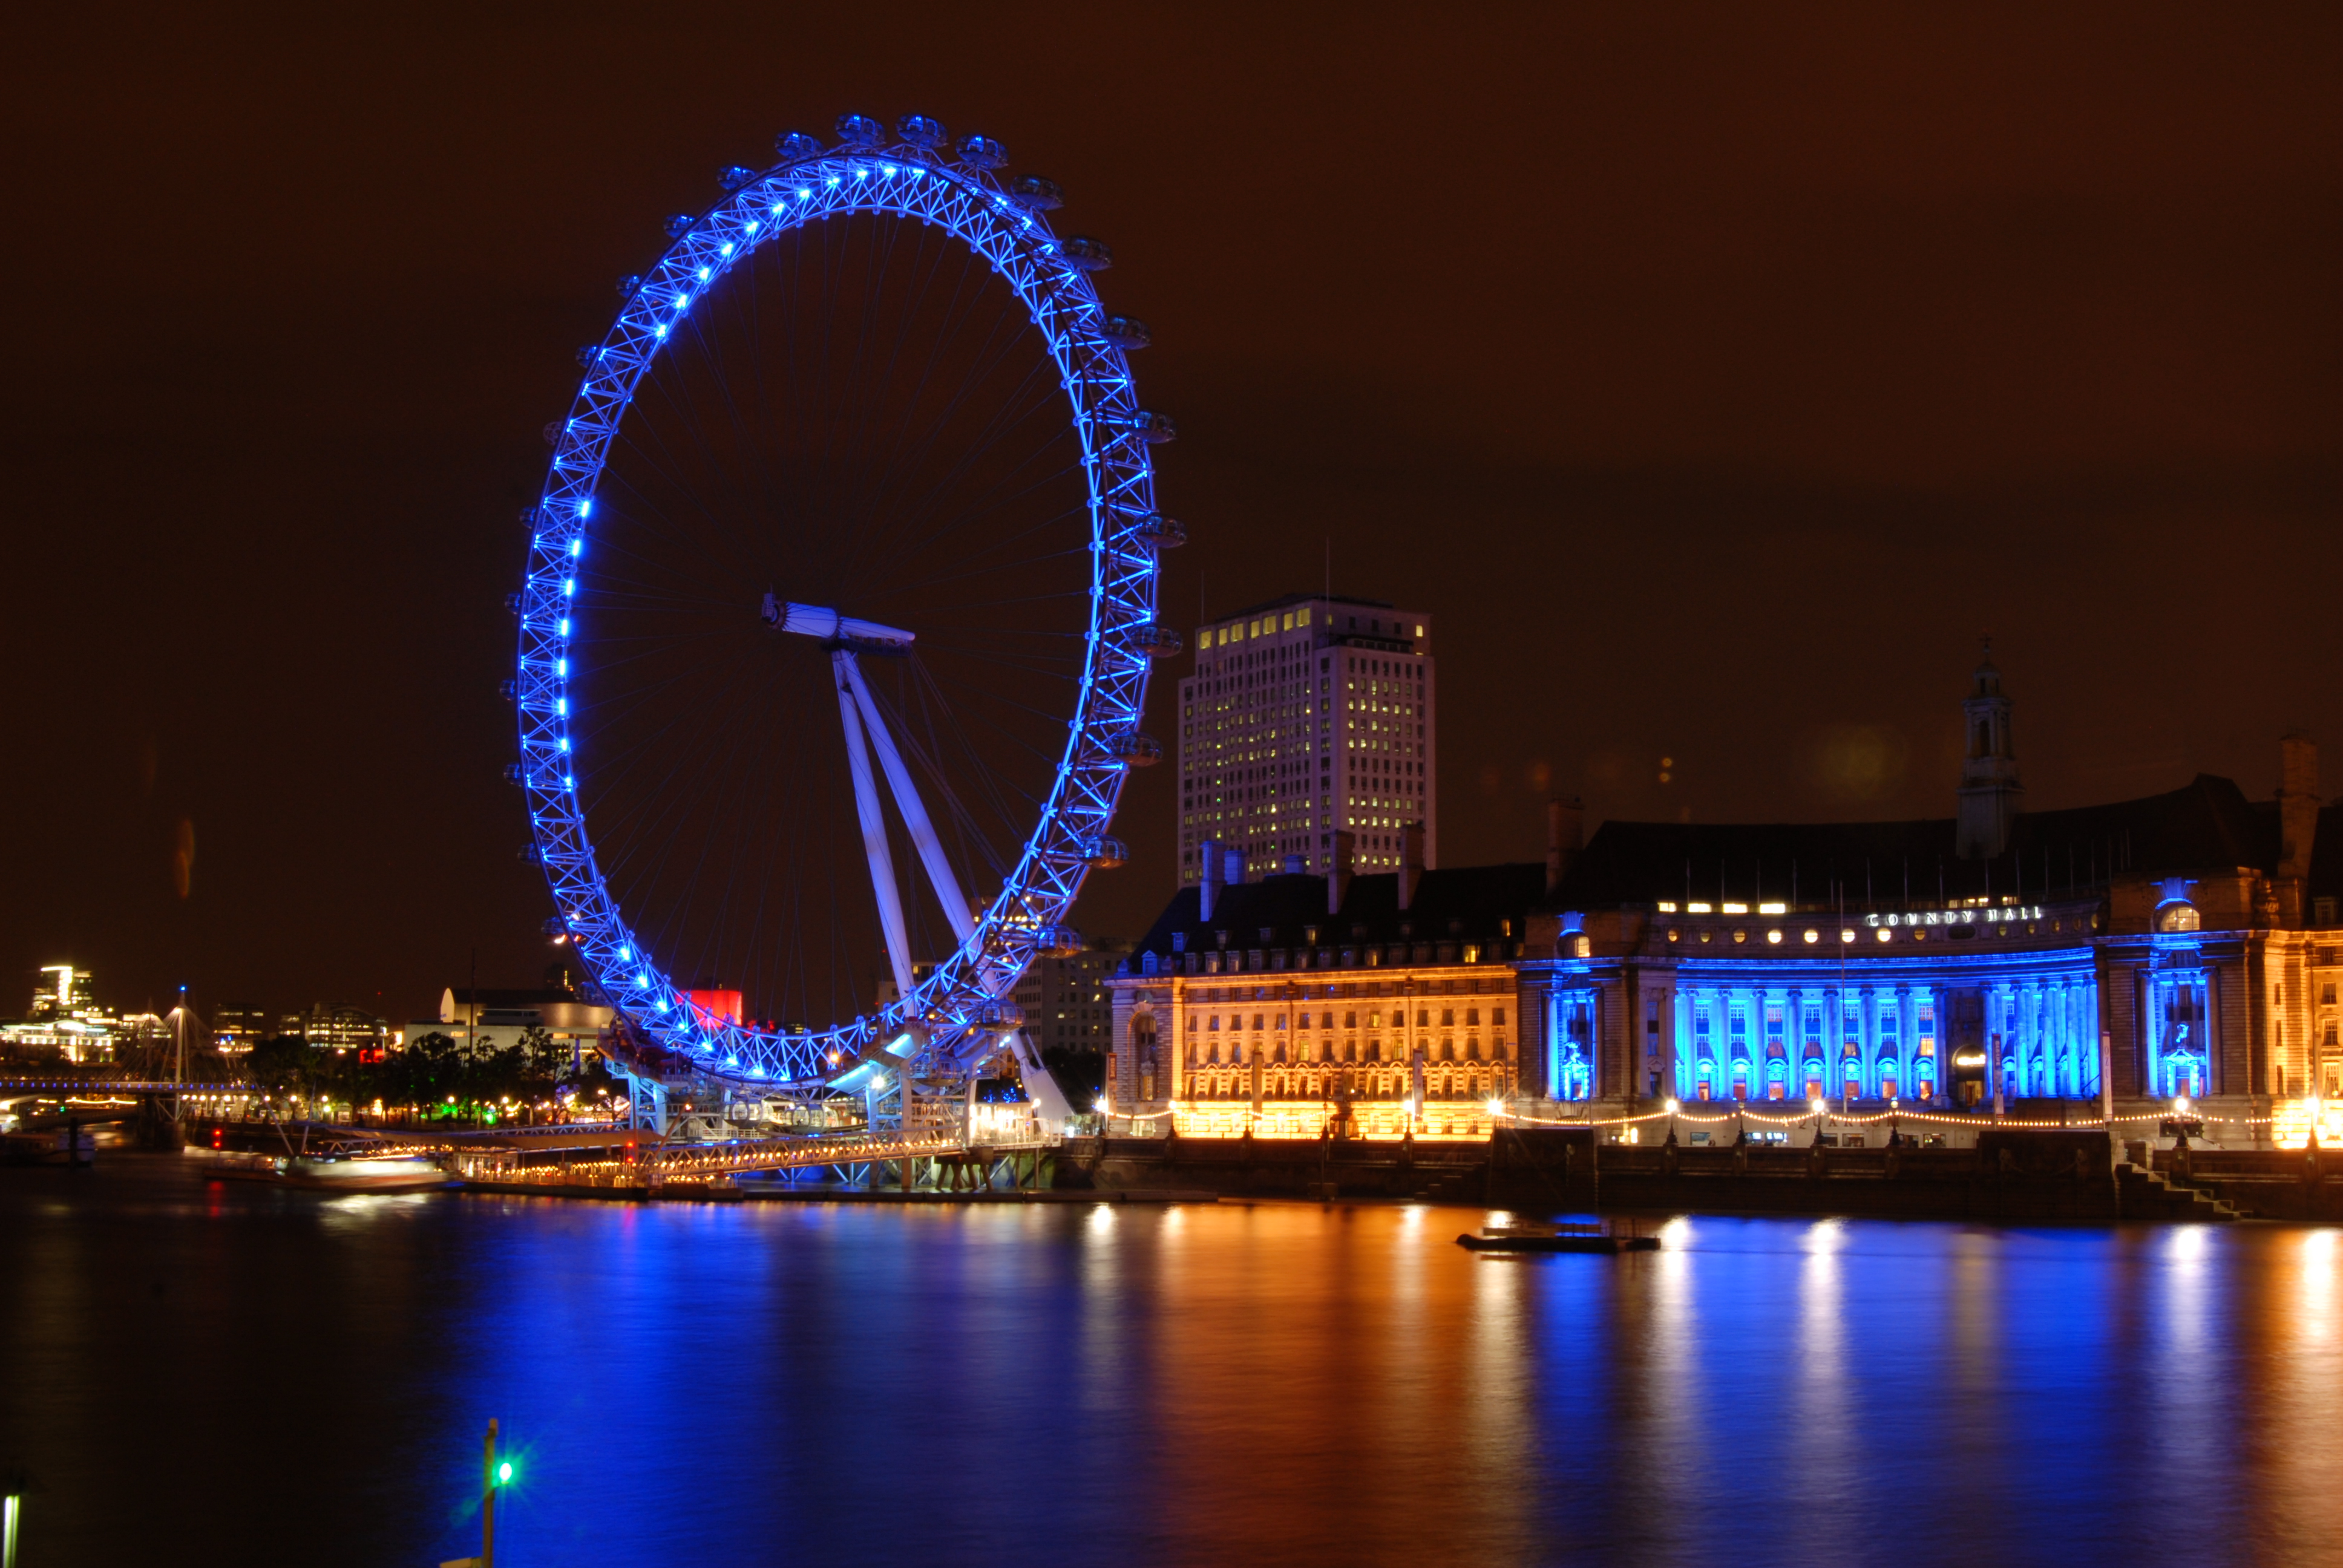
[{"x": 202, "y": 1371}]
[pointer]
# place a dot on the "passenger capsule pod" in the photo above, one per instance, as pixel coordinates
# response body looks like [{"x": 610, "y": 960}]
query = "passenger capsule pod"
[
  {"x": 1153, "y": 428},
  {"x": 555, "y": 926},
  {"x": 1058, "y": 942},
  {"x": 1035, "y": 194},
  {"x": 795, "y": 145},
  {"x": 1133, "y": 750},
  {"x": 587, "y": 355},
  {"x": 1126, "y": 332},
  {"x": 629, "y": 284},
  {"x": 512, "y": 602},
  {"x": 553, "y": 434},
  {"x": 981, "y": 152},
  {"x": 919, "y": 131},
  {"x": 860, "y": 131},
  {"x": 1155, "y": 639},
  {"x": 1004, "y": 1016},
  {"x": 1161, "y": 532},
  {"x": 1105, "y": 854},
  {"x": 735, "y": 176},
  {"x": 531, "y": 854},
  {"x": 511, "y": 690},
  {"x": 680, "y": 225},
  {"x": 1084, "y": 254},
  {"x": 515, "y": 773}
]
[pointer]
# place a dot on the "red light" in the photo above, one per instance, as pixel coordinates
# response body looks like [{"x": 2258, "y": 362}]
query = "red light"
[{"x": 714, "y": 1009}]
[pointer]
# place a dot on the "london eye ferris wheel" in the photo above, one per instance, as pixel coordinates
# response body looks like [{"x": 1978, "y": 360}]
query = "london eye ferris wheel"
[{"x": 854, "y": 509}]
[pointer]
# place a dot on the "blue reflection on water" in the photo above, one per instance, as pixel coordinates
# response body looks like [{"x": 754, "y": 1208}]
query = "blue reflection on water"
[{"x": 1142, "y": 1384}]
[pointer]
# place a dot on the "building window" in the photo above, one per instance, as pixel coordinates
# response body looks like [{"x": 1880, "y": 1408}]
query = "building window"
[
  {"x": 1570, "y": 1049},
  {"x": 2176, "y": 1045}
]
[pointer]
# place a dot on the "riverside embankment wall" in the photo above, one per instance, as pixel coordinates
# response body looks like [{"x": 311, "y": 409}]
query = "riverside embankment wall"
[{"x": 2020, "y": 1176}]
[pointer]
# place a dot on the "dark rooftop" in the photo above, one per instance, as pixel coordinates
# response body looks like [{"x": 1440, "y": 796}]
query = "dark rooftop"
[
  {"x": 1470, "y": 901},
  {"x": 2207, "y": 825}
]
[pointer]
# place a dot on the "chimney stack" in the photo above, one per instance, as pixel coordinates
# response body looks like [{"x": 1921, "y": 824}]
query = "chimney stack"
[
  {"x": 1411, "y": 863},
  {"x": 1338, "y": 875},
  {"x": 2297, "y": 818},
  {"x": 1566, "y": 832},
  {"x": 1210, "y": 866},
  {"x": 1232, "y": 867}
]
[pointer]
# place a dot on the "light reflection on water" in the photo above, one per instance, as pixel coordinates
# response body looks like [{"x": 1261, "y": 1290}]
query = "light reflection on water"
[{"x": 1277, "y": 1383}]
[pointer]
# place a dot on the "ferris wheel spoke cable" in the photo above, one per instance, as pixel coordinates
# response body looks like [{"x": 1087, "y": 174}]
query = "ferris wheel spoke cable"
[
  {"x": 640, "y": 829},
  {"x": 728, "y": 532},
  {"x": 647, "y": 513},
  {"x": 685, "y": 900},
  {"x": 976, "y": 844},
  {"x": 868, "y": 463},
  {"x": 636, "y": 796},
  {"x": 1032, "y": 397},
  {"x": 1001, "y": 339},
  {"x": 1000, "y": 342},
  {"x": 931, "y": 758},
  {"x": 965, "y": 822},
  {"x": 982, "y": 507},
  {"x": 901, "y": 459}
]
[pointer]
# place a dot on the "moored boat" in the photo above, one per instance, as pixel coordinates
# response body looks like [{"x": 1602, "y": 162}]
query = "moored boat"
[{"x": 1564, "y": 1236}]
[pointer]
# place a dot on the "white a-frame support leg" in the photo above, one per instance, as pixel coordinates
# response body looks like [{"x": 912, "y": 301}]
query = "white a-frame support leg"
[
  {"x": 874, "y": 826},
  {"x": 860, "y": 718},
  {"x": 915, "y": 815}
]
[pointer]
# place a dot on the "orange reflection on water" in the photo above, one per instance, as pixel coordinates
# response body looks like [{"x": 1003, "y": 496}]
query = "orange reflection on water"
[{"x": 1346, "y": 1375}]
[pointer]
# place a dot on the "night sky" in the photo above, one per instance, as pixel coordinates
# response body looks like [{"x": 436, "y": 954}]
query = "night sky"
[{"x": 1715, "y": 378}]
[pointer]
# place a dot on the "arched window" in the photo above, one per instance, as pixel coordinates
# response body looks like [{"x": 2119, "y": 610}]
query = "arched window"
[{"x": 2178, "y": 916}]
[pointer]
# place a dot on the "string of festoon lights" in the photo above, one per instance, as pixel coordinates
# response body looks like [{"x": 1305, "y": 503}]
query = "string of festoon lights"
[
  {"x": 1819, "y": 1111},
  {"x": 665, "y": 1162}
]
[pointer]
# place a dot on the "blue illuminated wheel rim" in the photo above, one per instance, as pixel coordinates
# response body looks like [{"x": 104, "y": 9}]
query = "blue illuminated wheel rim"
[{"x": 951, "y": 1018}]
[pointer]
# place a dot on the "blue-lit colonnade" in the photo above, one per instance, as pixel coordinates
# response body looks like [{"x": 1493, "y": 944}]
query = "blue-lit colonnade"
[{"x": 1802, "y": 1012}]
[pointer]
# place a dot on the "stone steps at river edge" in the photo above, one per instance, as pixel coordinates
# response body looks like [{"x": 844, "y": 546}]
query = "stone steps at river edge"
[{"x": 2150, "y": 1195}]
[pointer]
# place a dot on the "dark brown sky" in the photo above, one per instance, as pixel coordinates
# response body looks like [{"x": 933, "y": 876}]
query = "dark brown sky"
[{"x": 1716, "y": 375}]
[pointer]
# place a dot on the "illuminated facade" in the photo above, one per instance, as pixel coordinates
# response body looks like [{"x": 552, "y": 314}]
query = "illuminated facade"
[
  {"x": 2185, "y": 944},
  {"x": 1787, "y": 1002},
  {"x": 64, "y": 1017},
  {"x": 1306, "y": 717},
  {"x": 1375, "y": 1005}
]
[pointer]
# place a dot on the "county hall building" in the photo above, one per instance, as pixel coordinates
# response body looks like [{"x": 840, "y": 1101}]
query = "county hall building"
[{"x": 2115, "y": 957}]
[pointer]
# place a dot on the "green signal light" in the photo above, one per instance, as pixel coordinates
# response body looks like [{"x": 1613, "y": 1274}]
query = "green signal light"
[{"x": 504, "y": 1473}]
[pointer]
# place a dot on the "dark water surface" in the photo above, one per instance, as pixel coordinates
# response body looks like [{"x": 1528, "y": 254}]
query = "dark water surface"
[{"x": 202, "y": 1371}]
